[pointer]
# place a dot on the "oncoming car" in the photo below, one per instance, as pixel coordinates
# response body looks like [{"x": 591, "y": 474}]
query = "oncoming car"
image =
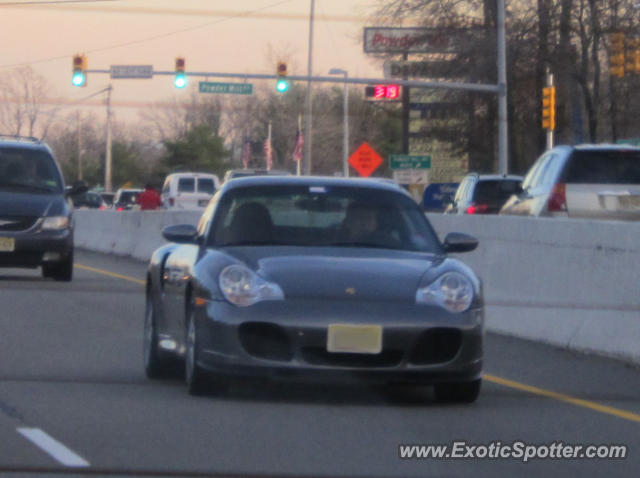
[
  {"x": 36, "y": 221},
  {"x": 315, "y": 279}
]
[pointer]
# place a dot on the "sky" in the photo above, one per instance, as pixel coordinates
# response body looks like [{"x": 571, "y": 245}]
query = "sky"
[{"x": 212, "y": 35}]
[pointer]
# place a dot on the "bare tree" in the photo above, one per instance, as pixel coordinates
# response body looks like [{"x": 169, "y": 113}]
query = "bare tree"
[{"x": 22, "y": 95}]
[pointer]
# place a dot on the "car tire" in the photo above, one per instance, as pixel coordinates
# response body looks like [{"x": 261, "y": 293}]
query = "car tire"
[
  {"x": 155, "y": 365},
  {"x": 62, "y": 272},
  {"x": 194, "y": 375},
  {"x": 458, "y": 392}
]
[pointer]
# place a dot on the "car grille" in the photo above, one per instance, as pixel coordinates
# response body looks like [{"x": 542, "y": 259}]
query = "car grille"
[
  {"x": 436, "y": 346},
  {"x": 17, "y": 223},
  {"x": 265, "y": 341}
]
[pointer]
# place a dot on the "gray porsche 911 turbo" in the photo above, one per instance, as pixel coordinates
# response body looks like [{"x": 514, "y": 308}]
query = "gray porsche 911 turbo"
[{"x": 312, "y": 278}]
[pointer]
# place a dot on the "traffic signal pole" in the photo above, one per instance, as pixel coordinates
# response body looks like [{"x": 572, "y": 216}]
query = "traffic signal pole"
[
  {"x": 406, "y": 98},
  {"x": 550, "y": 131}
]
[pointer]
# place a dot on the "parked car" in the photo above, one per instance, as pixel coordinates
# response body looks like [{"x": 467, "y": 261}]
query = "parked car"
[
  {"x": 189, "y": 190},
  {"x": 315, "y": 278},
  {"x": 242, "y": 173},
  {"x": 126, "y": 199},
  {"x": 588, "y": 181},
  {"x": 483, "y": 193},
  {"x": 36, "y": 218}
]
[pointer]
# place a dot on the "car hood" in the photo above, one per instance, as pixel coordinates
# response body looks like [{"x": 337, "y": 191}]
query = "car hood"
[
  {"x": 344, "y": 273},
  {"x": 20, "y": 204}
]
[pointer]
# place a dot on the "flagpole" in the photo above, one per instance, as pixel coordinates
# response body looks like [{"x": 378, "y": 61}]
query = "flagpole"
[{"x": 299, "y": 132}]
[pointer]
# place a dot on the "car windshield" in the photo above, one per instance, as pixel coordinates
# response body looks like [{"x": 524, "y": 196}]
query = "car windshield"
[
  {"x": 498, "y": 190},
  {"x": 28, "y": 170},
  {"x": 206, "y": 185},
  {"x": 127, "y": 197},
  {"x": 603, "y": 167},
  {"x": 321, "y": 216}
]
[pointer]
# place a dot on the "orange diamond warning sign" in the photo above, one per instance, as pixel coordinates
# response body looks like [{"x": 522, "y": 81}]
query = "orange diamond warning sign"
[{"x": 365, "y": 160}]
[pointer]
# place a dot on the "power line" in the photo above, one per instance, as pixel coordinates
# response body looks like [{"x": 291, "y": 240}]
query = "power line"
[
  {"x": 55, "y": 2},
  {"x": 154, "y": 37}
]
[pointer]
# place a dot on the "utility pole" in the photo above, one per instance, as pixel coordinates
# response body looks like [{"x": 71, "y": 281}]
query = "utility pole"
[
  {"x": 503, "y": 138},
  {"x": 107, "y": 165},
  {"x": 307, "y": 158}
]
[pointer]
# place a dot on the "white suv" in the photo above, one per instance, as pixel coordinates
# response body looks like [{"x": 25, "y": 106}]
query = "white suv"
[{"x": 189, "y": 190}]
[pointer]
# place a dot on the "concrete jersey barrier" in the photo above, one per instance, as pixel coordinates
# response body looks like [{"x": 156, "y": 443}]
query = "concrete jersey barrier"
[{"x": 570, "y": 283}]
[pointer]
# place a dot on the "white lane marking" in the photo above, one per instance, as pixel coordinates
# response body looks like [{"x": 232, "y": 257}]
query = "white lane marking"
[{"x": 53, "y": 447}]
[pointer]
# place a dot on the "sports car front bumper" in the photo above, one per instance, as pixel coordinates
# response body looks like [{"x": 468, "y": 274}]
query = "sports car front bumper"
[{"x": 288, "y": 339}]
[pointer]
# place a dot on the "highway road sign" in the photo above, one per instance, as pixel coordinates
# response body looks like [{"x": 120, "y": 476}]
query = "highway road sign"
[
  {"x": 131, "y": 71},
  {"x": 226, "y": 88},
  {"x": 406, "y": 161},
  {"x": 411, "y": 176},
  {"x": 365, "y": 160}
]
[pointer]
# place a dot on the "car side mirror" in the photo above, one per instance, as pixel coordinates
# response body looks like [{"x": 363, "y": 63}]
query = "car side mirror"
[
  {"x": 181, "y": 234},
  {"x": 459, "y": 242}
]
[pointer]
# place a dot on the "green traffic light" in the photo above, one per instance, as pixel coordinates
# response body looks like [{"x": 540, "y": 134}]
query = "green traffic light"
[
  {"x": 78, "y": 78},
  {"x": 282, "y": 86},
  {"x": 180, "y": 80}
]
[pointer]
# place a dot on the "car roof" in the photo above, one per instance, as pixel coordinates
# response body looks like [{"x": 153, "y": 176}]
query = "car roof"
[
  {"x": 371, "y": 183},
  {"x": 606, "y": 147},
  {"x": 186, "y": 174},
  {"x": 25, "y": 142},
  {"x": 496, "y": 177}
]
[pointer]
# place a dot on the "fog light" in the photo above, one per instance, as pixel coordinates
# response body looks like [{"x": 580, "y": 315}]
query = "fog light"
[{"x": 51, "y": 256}]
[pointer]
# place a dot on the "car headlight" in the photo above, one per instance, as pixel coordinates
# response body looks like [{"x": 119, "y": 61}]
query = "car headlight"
[
  {"x": 243, "y": 287},
  {"x": 452, "y": 291},
  {"x": 55, "y": 223}
]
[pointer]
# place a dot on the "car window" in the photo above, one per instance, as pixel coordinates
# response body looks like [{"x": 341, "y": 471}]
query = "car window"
[
  {"x": 307, "y": 216},
  {"x": 538, "y": 175},
  {"x": 29, "y": 169},
  {"x": 206, "y": 185},
  {"x": 495, "y": 190},
  {"x": 186, "y": 185},
  {"x": 603, "y": 167},
  {"x": 461, "y": 190}
]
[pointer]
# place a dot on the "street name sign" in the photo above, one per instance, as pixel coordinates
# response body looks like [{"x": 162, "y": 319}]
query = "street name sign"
[
  {"x": 226, "y": 88},
  {"x": 131, "y": 71},
  {"x": 406, "y": 161}
]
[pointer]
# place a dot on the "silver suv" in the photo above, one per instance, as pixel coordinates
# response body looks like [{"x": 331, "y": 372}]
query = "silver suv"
[{"x": 588, "y": 181}]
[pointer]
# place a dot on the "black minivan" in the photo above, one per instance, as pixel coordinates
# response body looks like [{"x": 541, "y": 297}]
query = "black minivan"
[{"x": 36, "y": 221}]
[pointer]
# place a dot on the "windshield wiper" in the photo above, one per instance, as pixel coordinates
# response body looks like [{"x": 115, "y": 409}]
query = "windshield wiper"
[
  {"x": 256, "y": 243},
  {"x": 361, "y": 244}
]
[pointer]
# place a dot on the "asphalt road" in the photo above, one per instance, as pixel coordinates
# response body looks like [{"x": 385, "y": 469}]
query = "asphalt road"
[{"x": 74, "y": 401}]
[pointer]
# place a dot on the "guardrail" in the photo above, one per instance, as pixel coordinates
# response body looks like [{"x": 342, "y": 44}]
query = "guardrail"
[{"x": 570, "y": 283}]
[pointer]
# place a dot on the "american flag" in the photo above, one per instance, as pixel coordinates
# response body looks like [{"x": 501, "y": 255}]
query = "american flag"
[
  {"x": 297, "y": 149},
  {"x": 246, "y": 153},
  {"x": 268, "y": 151}
]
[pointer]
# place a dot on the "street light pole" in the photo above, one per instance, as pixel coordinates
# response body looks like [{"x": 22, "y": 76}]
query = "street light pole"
[{"x": 345, "y": 120}]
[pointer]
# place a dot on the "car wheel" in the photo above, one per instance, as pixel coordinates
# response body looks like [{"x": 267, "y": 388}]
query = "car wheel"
[
  {"x": 62, "y": 272},
  {"x": 194, "y": 375},
  {"x": 154, "y": 364},
  {"x": 459, "y": 392}
]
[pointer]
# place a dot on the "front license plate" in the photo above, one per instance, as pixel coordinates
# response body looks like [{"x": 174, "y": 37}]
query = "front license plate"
[
  {"x": 629, "y": 203},
  {"x": 359, "y": 339},
  {"x": 7, "y": 244},
  {"x": 203, "y": 202}
]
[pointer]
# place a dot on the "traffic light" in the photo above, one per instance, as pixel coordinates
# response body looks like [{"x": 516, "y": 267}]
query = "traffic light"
[
  {"x": 549, "y": 108},
  {"x": 617, "y": 55},
  {"x": 382, "y": 92},
  {"x": 180, "y": 80},
  {"x": 282, "y": 83},
  {"x": 79, "y": 77}
]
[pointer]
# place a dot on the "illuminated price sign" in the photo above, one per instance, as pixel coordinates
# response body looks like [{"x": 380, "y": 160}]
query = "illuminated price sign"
[{"x": 382, "y": 92}]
